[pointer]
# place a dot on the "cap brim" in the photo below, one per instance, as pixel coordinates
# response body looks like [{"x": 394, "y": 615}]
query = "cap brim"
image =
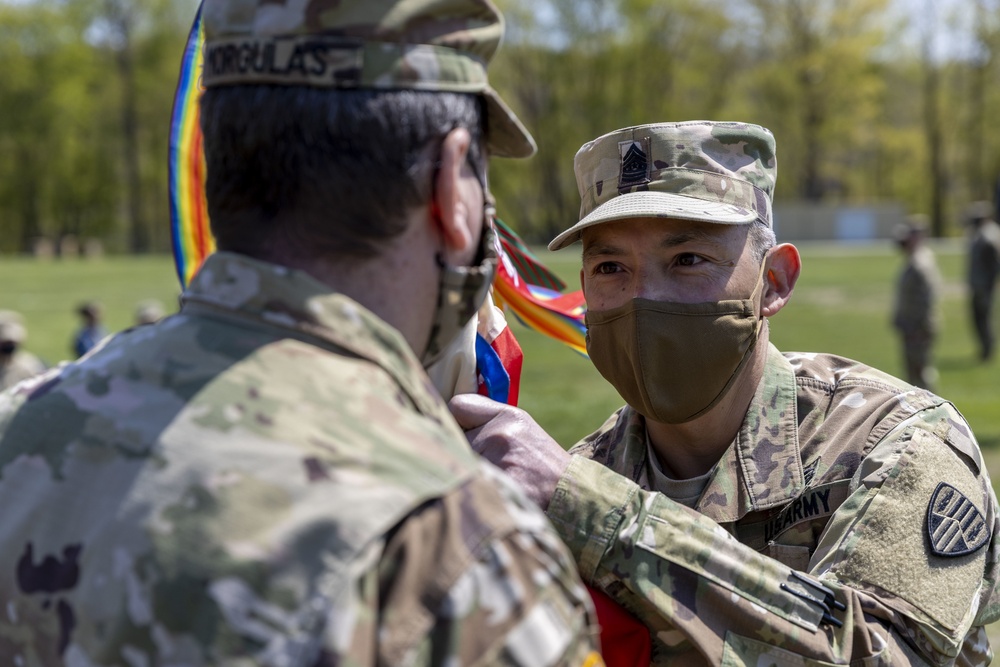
[
  {"x": 507, "y": 136},
  {"x": 656, "y": 205},
  {"x": 12, "y": 332}
]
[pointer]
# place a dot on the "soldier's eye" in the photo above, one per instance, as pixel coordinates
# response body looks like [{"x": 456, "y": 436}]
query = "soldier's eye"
[{"x": 688, "y": 259}]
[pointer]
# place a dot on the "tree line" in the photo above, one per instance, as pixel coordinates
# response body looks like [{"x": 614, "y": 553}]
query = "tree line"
[{"x": 867, "y": 104}]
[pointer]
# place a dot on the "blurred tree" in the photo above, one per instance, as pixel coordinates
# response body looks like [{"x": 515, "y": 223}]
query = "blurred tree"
[
  {"x": 814, "y": 80},
  {"x": 861, "y": 112},
  {"x": 133, "y": 34},
  {"x": 577, "y": 69},
  {"x": 805, "y": 68},
  {"x": 983, "y": 74},
  {"x": 933, "y": 131},
  {"x": 86, "y": 109},
  {"x": 896, "y": 172},
  {"x": 26, "y": 37}
]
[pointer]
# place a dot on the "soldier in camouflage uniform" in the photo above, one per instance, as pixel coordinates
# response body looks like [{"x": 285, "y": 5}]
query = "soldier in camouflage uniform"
[
  {"x": 751, "y": 507},
  {"x": 984, "y": 268},
  {"x": 915, "y": 315},
  {"x": 268, "y": 478},
  {"x": 16, "y": 363}
]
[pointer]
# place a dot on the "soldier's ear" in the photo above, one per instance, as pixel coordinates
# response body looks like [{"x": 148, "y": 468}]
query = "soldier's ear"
[
  {"x": 450, "y": 209},
  {"x": 781, "y": 271}
]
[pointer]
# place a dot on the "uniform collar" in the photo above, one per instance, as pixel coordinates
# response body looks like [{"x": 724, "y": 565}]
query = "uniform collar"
[
  {"x": 763, "y": 466},
  {"x": 299, "y": 306}
]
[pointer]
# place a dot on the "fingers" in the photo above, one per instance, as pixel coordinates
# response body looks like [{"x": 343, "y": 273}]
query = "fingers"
[{"x": 472, "y": 411}]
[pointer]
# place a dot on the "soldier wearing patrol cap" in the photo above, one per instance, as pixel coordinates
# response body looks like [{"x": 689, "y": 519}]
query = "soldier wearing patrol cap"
[
  {"x": 915, "y": 312},
  {"x": 268, "y": 477},
  {"x": 750, "y": 506},
  {"x": 16, "y": 363},
  {"x": 983, "y": 271}
]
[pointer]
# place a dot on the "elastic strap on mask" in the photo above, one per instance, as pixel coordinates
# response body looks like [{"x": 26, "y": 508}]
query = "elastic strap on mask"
[{"x": 757, "y": 290}]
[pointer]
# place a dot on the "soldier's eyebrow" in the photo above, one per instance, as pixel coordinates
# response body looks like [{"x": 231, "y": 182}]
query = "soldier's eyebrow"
[
  {"x": 602, "y": 249},
  {"x": 607, "y": 248},
  {"x": 688, "y": 236}
]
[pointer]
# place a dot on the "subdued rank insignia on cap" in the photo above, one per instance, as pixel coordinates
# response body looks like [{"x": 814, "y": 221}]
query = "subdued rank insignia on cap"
[
  {"x": 635, "y": 164},
  {"x": 954, "y": 525}
]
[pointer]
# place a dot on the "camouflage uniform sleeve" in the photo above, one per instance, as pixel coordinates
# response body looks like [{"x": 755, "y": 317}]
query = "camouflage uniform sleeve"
[
  {"x": 477, "y": 577},
  {"x": 874, "y": 590}
]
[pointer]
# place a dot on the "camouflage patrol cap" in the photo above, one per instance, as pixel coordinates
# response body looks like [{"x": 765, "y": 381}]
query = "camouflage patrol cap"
[
  {"x": 433, "y": 45},
  {"x": 11, "y": 327},
  {"x": 697, "y": 170},
  {"x": 913, "y": 225},
  {"x": 979, "y": 210}
]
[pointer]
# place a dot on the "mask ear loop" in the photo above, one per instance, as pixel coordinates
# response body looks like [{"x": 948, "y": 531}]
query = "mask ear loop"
[
  {"x": 489, "y": 205},
  {"x": 435, "y": 211},
  {"x": 757, "y": 290}
]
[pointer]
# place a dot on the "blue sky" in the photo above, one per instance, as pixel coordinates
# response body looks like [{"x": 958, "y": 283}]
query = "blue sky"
[{"x": 952, "y": 20}]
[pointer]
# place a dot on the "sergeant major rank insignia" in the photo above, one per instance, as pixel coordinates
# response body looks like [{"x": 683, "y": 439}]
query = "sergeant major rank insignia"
[
  {"x": 954, "y": 525},
  {"x": 634, "y": 165}
]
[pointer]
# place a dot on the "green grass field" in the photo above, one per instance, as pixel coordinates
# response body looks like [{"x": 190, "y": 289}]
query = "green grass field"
[{"x": 47, "y": 294}]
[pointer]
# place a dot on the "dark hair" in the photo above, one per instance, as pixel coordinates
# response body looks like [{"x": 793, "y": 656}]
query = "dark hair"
[{"x": 324, "y": 173}]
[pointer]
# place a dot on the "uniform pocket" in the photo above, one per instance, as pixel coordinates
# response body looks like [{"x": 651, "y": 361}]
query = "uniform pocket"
[{"x": 796, "y": 558}]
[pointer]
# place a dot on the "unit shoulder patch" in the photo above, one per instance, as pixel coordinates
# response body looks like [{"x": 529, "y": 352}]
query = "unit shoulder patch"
[{"x": 955, "y": 525}]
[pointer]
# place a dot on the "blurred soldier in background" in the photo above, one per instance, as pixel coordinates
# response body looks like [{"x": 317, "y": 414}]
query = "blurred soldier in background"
[
  {"x": 91, "y": 330},
  {"x": 915, "y": 311},
  {"x": 984, "y": 265},
  {"x": 148, "y": 312},
  {"x": 268, "y": 477},
  {"x": 16, "y": 364},
  {"x": 996, "y": 201}
]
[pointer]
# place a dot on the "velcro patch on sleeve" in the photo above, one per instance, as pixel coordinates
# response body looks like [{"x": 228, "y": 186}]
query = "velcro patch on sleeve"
[
  {"x": 890, "y": 550},
  {"x": 955, "y": 525}
]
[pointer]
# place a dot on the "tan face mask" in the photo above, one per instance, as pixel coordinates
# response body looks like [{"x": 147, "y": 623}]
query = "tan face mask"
[{"x": 673, "y": 362}]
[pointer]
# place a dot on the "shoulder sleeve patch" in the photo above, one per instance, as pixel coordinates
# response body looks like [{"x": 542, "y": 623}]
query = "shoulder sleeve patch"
[
  {"x": 955, "y": 525},
  {"x": 892, "y": 549}
]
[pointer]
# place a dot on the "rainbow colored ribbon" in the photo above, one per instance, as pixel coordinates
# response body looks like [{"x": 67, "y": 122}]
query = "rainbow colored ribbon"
[
  {"x": 528, "y": 289},
  {"x": 189, "y": 230}
]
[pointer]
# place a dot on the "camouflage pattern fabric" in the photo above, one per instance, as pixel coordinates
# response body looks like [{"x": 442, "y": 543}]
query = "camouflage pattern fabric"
[
  {"x": 915, "y": 314},
  {"x": 371, "y": 44},
  {"x": 266, "y": 479},
  {"x": 841, "y": 477},
  {"x": 463, "y": 291},
  {"x": 719, "y": 172}
]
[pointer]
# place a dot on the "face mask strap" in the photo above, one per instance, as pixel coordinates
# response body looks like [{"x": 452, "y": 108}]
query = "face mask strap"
[
  {"x": 758, "y": 290},
  {"x": 758, "y": 286}
]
